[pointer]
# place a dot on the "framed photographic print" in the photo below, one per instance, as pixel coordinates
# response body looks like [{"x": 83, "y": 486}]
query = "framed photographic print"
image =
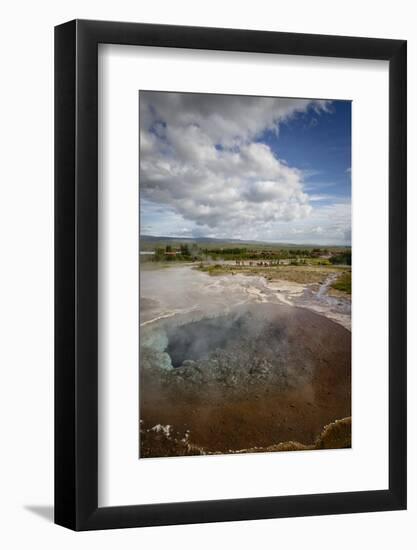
[{"x": 230, "y": 275}]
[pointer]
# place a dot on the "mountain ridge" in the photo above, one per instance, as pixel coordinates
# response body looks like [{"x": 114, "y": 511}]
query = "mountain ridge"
[{"x": 155, "y": 238}]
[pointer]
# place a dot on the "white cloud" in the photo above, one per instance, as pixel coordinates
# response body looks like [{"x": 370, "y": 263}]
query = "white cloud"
[
  {"x": 202, "y": 172},
  {"x": 198, "y": 158},
  {"x": 224, "y": 119},
  {"x": 327, "y": 224}
]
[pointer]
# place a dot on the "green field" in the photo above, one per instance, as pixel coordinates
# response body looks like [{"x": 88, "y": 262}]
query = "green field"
[
  {"x": 344, "y": 283},
  {"x": 302, "y": 274},
  {"x": 169, "y": 249}
]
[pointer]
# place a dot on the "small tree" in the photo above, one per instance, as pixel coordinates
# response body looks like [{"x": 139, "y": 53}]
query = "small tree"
[
  {"x": 159, "y": 254},
  {"x": 185, "y": 251}
]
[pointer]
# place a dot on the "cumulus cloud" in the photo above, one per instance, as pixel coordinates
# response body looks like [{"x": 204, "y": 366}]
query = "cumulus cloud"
[
  {"x": 328, "y": 223},
  {"x": 224, "y": 119},
  {"x": 200, "y": 159}
]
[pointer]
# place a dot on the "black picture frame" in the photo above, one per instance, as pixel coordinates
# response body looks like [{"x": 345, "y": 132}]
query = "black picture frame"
[{"x": 76, "y": 273}]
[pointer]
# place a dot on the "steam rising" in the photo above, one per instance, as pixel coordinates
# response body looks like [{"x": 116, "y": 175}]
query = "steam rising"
[{"x": 234, "y": 350}]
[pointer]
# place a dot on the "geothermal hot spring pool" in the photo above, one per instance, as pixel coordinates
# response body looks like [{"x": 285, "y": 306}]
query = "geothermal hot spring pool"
[
  {"x": 199, "y": 340},
  {"x": 225, "y": 366},
  {"x": 195, "y": 341}
]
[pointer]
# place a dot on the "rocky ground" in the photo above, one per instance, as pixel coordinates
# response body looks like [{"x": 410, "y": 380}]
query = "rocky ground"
[{"x": 160, "y": 442}]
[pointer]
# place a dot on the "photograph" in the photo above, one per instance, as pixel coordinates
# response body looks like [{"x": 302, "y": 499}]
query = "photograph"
[
  {"x": 245, "y": 274},
  {"x": 191, "y": 353}
]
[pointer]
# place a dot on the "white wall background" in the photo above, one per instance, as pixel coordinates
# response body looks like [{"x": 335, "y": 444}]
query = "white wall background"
[{"x": 26, "y": 271}]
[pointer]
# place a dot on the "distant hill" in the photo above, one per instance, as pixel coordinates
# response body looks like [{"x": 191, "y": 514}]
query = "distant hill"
[{"x": 153, "y": 239}]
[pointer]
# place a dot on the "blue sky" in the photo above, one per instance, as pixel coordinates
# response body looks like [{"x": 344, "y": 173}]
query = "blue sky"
[
  {"x": 319, "y": 145},
  {"x": 268, "y": 169}
]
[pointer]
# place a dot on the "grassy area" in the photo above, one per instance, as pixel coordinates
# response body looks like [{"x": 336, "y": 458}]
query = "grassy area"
[
  {"x": 153, "y": 266},
  {"x": 344, "y": 283},
  {"x": 176, "y": 249},
  {"x": 302, "y": 274},
  {"x": 215, "y": 269}
]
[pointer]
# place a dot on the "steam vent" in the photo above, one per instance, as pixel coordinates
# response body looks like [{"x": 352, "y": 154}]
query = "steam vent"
[{"x": 257, "y": 377}]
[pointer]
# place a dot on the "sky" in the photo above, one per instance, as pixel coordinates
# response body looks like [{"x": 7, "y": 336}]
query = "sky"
[{"x": 243, "y": 167}]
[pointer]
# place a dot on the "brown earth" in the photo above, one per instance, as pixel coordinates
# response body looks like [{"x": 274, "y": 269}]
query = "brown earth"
[
  {"x": 336, "y": 435},
  {"x": 302, "y": 274},
  {"x": 210, "y": 419}
]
